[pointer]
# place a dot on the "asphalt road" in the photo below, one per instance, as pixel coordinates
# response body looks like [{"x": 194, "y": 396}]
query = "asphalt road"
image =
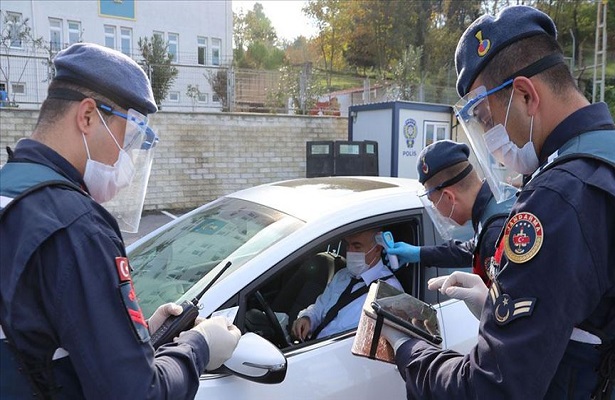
[{"x": 149, "y": 222}]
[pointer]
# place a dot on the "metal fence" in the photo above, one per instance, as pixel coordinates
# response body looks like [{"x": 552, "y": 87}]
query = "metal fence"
[{"x": 298, "y": 89}]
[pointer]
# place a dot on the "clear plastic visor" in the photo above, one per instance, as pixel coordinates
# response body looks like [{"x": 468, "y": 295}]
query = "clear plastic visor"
[
  {"x": 474, "y": 116},
  {"x": 139, "y": 143}
]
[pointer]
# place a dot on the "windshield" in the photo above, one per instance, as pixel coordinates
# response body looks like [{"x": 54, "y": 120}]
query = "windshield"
[{"x": 169, "y": 264}]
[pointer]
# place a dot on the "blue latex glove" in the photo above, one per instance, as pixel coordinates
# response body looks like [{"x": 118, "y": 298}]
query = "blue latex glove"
[{"x": 406, "y": 253}]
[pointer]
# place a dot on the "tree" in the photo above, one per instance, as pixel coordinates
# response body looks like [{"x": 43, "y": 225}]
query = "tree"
[
  {"x": 15, "y": 33},
  {"x": 330, "y": 17},
  {"x": 407, "y": 74},
  {"x": 157, "y": 64},
  {"x": 219, "y": 84},
  {"x": 256, "y": 42}
]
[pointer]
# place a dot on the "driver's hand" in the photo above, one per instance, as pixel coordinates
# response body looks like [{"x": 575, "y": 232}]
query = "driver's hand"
[{"x": 301, "y": 328}]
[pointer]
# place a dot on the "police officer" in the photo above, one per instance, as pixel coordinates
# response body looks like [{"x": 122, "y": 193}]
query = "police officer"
[
  {"x": 72, "y": 326},
  {"x": 454, "y": 189},
  {"x": 548, "y": 323}
]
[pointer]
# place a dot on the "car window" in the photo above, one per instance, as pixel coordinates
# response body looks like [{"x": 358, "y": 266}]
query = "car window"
[
  {"x": 178, "y": 262},
  {"x": 272, "y": 305}
]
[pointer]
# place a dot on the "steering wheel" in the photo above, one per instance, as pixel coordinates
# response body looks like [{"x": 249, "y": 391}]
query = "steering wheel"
[{"x": 279, "y": 335}]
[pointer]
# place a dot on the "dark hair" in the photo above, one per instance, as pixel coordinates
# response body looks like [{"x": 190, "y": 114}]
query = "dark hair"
[
  {"x": 523, "y": 53},
  {"x": 53, "y": 109}
]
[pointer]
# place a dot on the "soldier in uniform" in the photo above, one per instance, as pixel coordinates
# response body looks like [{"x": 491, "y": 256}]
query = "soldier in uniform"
[
  {"x": 548, "y": 323},
  {"x": 71, "y": 325},
  {"x": 455, "y": 194}
]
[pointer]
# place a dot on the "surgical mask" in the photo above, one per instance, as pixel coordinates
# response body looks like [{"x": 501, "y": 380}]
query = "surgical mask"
[
  {"x": 448, "y": 219},
  {"x": 522, "y": 160},
  {"x": 105, "y": 181},
  {"x": 355, "y": 262}
]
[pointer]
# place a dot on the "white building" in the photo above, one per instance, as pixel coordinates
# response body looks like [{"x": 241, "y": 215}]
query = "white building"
[{"x": 199, "y": 34}]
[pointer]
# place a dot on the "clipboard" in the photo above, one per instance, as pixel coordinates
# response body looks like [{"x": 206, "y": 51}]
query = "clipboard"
[{"x": 388, "y": 305}]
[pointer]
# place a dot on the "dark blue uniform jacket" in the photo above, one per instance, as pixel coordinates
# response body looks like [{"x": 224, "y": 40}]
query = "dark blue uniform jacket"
[
  {"x": 479, "y": 250},
  {"x": 60, "y": 288},
  {"x": 557, "y": 271}
]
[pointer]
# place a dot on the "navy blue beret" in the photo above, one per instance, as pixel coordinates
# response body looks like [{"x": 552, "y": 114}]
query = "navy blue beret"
[
  {"x": 108, "y": 72},
  {"x": 486, "y": 36},
  {"x": 440, "y": 155}
]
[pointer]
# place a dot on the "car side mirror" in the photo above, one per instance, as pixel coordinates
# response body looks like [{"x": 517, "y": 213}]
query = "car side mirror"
[{"x": 257, "y": 359}]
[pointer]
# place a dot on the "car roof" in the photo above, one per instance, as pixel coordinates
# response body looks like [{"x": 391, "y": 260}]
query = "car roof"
[{"x": 311, "y": 198}]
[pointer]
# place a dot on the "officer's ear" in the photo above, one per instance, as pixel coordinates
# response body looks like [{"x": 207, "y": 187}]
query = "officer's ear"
[
  {"x": 86, "y": 115},
  {"x": 528, "y": 90}
]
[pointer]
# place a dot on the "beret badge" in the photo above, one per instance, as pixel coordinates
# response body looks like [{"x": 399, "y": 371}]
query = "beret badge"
[{"x": 483, "y": 44}]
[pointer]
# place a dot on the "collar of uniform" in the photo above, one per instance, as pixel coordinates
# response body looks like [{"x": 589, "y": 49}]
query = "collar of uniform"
[
  {"x": 28, "y": 150},
  {"x": 590, "y": 118},
  {"x": 480, "y": 204}
]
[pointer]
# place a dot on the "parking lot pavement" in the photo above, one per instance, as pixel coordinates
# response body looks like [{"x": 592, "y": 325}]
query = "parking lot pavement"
[{"x": 149, "y": 222}]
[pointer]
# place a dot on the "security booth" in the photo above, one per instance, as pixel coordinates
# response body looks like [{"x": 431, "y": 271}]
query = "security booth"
[
  {"x": 401, "y": 129},
  {"x": 341, "y": 158}
]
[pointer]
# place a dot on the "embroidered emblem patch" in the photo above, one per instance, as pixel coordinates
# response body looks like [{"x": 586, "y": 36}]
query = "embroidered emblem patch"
[
  {"x": 505, "y": 309},
  {"x": 483, "y": 44},
  {"x": 123, "y": 268},
  {"x": 129, "y": 298},
  {"x": 425, "y": 167},
  {"x": 523, "y": 237}
]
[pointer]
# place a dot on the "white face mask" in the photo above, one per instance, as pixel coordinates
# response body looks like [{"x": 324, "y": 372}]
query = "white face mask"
[
  {"x": 104, "y": 181},
  {"x": 355, "y": 262},
  {"x": 522, "y": 160},
  {"x": 448, "y": 219}
]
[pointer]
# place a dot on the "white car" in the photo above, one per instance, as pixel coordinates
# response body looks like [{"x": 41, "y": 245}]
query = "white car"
[{"x": 266, "y": 253}]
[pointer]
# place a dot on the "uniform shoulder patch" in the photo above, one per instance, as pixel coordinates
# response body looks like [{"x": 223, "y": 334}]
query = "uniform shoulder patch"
[
  {"x": 506, "y": 309},
  {"x": 523, "y": 237}
]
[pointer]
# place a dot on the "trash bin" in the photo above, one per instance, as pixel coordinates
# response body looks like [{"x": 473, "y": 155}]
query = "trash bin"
[
  {"x": 319, "y": 159},
  {"x": 348, "y": 158}
]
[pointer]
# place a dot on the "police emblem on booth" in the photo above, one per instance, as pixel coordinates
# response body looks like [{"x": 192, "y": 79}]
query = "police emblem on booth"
[
  {"x": 410, "y": 132},
  {"x": 506, "y": 309},
  {"x": 523, "y": 237}
]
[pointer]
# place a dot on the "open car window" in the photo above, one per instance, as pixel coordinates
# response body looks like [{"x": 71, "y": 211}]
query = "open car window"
[{"x": 271, "y": 305}]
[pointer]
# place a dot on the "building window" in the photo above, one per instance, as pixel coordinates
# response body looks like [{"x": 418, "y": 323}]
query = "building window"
[
  {"x": 201, "y": 50},
  {"x": 126, "y": 41},
  {"x": 435, "y": 131},
  {"x": 15, "y": 23},
  {"x": 174, "y": 46},
  {"x": 203, "y": 98},
  {"x": 110, "y": 36},
  {"x": 74, "y": 32},
  {"x": 18, "y": 88},
  {"x": 55, "y": 34},
  {"x": 215, "y": 51},
  {"x": 159, "y": 35},
  {"x": 174, "y": 97},
  {"x": 215, "y": 98}
]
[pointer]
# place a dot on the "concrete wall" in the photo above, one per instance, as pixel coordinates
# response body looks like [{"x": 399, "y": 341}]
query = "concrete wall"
[{"x": 203, "y": 156}]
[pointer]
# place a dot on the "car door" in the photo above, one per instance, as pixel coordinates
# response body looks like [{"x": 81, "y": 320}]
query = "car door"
[{"x": 323, "y": 368}]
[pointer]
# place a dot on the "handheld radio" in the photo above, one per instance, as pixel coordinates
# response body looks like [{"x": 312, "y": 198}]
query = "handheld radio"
[{"x": 175, "y": 324}]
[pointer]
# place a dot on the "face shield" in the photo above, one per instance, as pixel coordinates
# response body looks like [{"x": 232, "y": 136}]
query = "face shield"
[
  {"x": 474, "y": 115},
  {"x": 446, "y": 226},
  {"x": 139, "y": 143}
]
